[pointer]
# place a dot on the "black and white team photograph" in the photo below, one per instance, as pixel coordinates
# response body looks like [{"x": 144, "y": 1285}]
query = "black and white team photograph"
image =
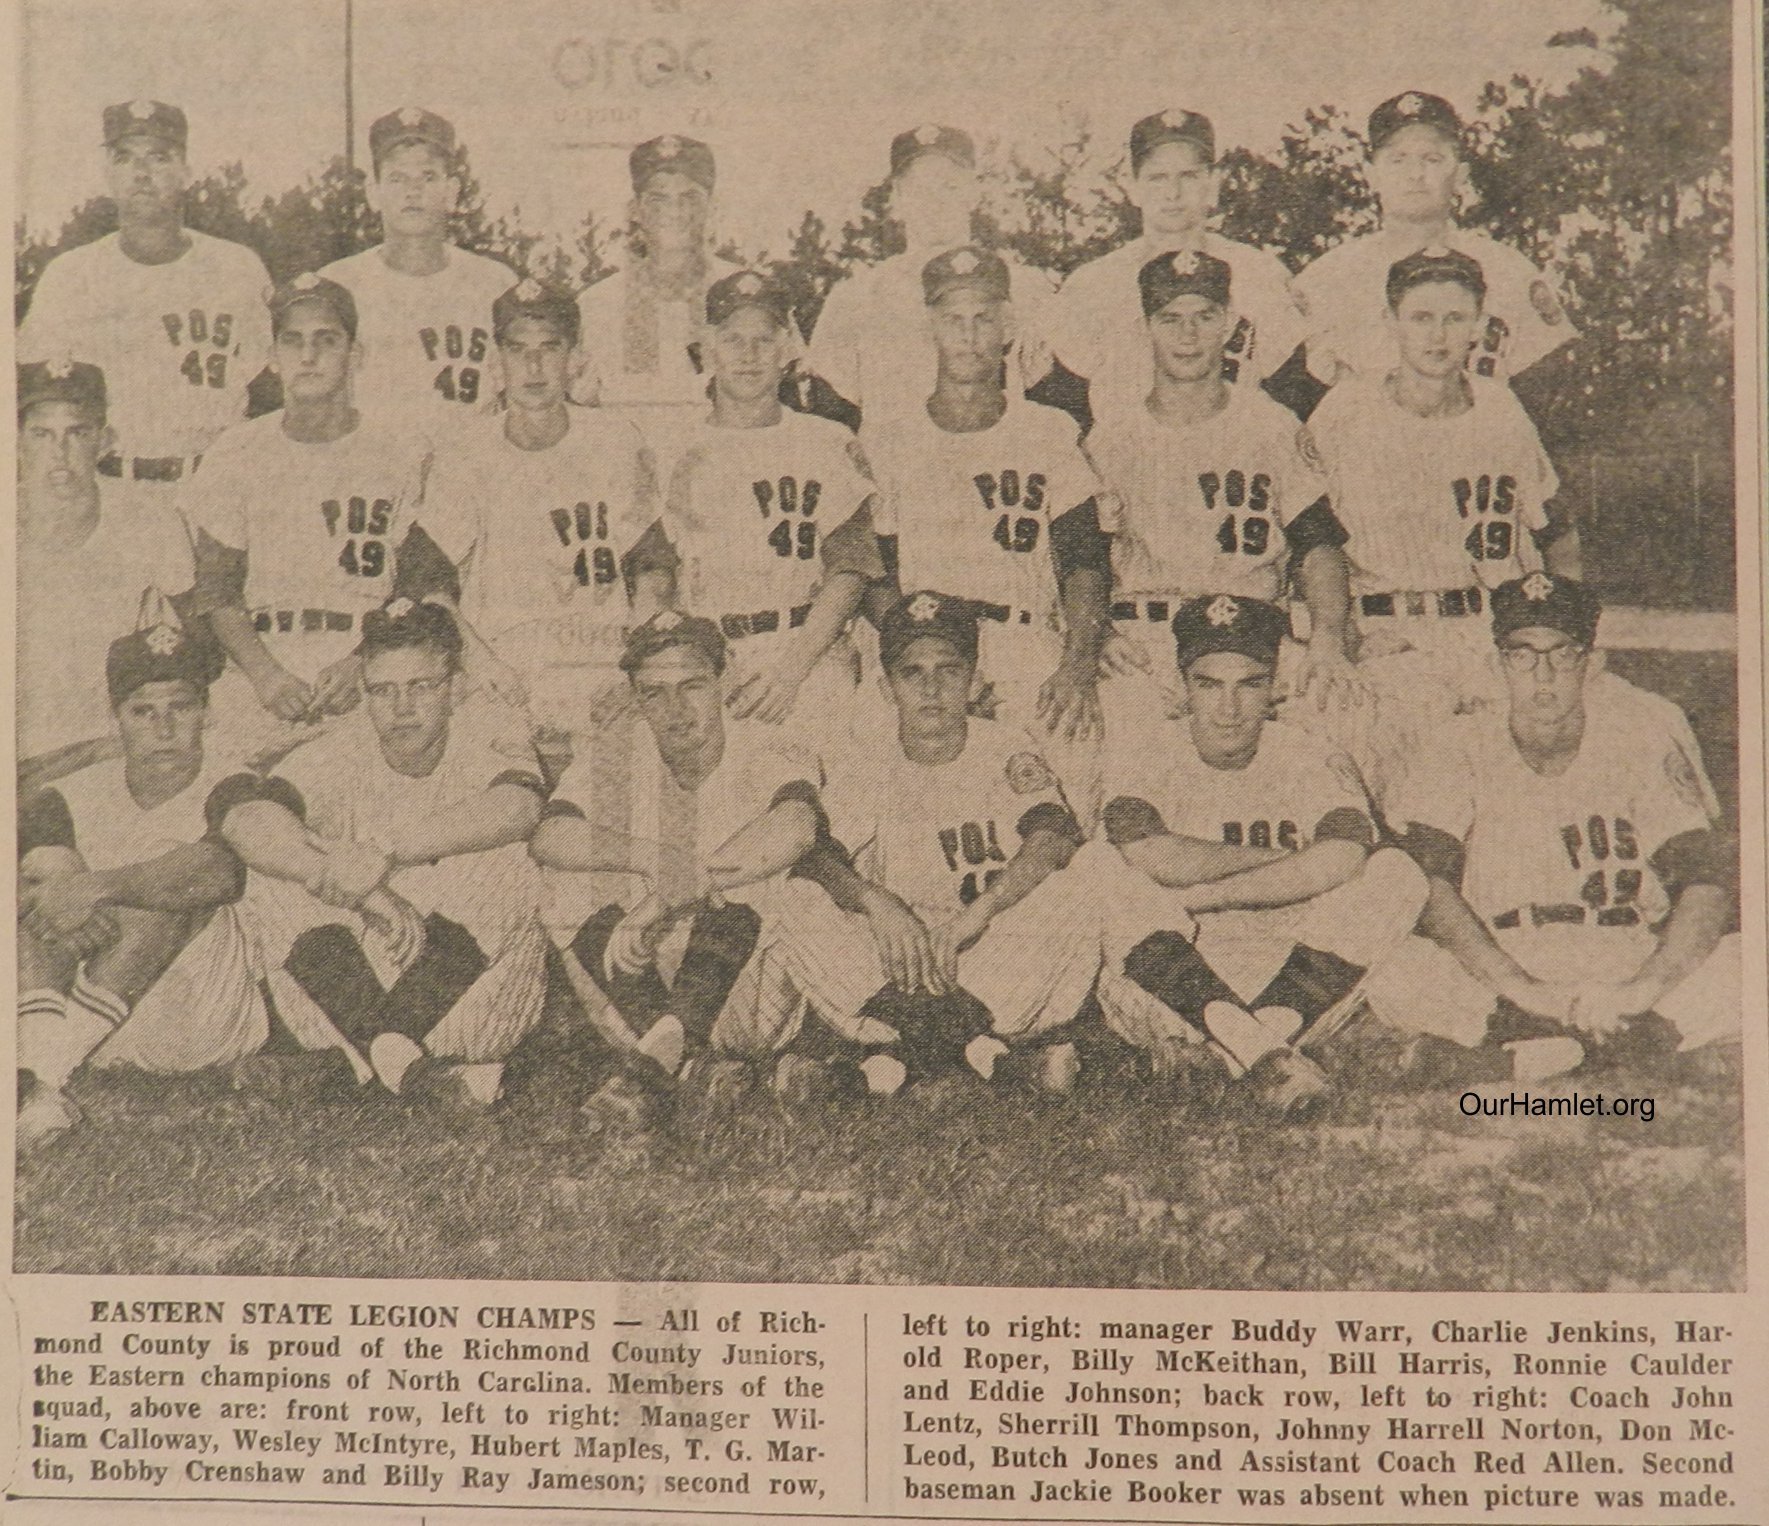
[{"x": 1021, "y": 645}]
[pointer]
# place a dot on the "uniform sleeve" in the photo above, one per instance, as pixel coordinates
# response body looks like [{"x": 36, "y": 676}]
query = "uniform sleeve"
[
  {"x": 238, "y": 789},
  {"x": 1036, "y": 794},
  {"x": 572, "y": 795},
  {"x": 448, "y": 512},
  {"x": 1108, "y": 453},
  {"x": 1304, "y": 476},
  {"x": 1537, "y": 480},
  {"x": 1539, "y": 313},
  {"x": 44, "y": 821},
  {"x": 1072, "y": 325},
  {"x": 1073, "y": 479},
  {"x": 52, "y": 324},
  {"x": 1033, "y": 291},
  {"x": 314, "y": 773},
  {"x": 779, "y": 770},
  {"x": 1314, "y": 298},
  {"x": 251, "y": 320},
  {"x": 1436, "y": 792},
  {"x": 850, "y": 539},
  {"x": 1276, "y": 309},
  {"x": 852, "y": 798},
  {"x": 215, "y": 502},
  {"x": 1670, "y": 801},
  {"x": 496, "y": 749},
  {"x": 875, "y": 449},
  {"x": 170, "y": 568},
  {"x": 834, "y": 349},
  {"x": 1345, "y": 813}
]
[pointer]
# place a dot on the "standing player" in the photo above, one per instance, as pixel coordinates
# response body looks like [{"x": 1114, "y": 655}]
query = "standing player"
[
  {"x": 866, "y": 345},
  {"x": 425, "y": 304},
  {"x": 1097, "y": 329},
  {"x": 129, "y": 949},
  {"x": 86, "y": 563},
  {"x": 1576, "y": 875},
  {"x": 1248, "y": 905},
  {"x": 1418, "y": 169},
  {"x": 393, "y": 899},
  {"x": 174, "y": 318},
  {"x": 769, "y": 511},
  {"x": 989, "y": 497},
  {"x": 543, "y": 509}
]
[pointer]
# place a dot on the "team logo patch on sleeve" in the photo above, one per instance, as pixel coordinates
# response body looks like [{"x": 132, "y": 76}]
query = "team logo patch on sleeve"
[
  {"x": 1027, "y": 774},
  {"x": 1681, "y": 773},
  {"x": 1309, "y": 451},
  {"x": 1345, "y": 771}
]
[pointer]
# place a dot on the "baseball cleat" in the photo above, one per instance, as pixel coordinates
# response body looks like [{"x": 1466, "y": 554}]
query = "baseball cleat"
[
  {"x": 1290, "y": 1084},
  {"x": 983, "y": 1053},
  {"x": 47, "y": 1114},
  {"x": 1543, "y": 1059},
  {"x": 1284, "y": 1023},
  {"x": 620, "y": 1105},
  {"x": 1059, "y": 1067},
  {"x": 1244, "y": 1039},
  {"x": 664, "y": 1043},
  {"x": 1429, "y": 1061},
  {"x": 885, "y": 1074},
  {"x": 393, "y": 1055}
]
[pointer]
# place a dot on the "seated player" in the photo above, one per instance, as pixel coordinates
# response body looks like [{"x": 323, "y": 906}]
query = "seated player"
[
  {"x": 1579, "y": 884},
  {"x": 88, "y": 558},
  {"x": 392, "y": 894},
  {"x": 670, "y": 827},
  {"x": 129, "y": 949},
  {"x": 543, "y": 510},
  {"x": 1207, "y": 491},
  {"x": 1249, "y": 907},
  {"x": 936, "y": 928},
  {"x": 769, "y": 511}
]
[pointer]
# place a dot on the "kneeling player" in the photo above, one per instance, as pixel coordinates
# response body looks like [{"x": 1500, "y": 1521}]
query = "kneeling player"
[
  {"x": 405, "y": 923},
  {"x": 951, "y": 923},
  {"x": 1577, "y": 879},
  {"x": 1254, "y": 908},
  {"x": 129, "y": 949}
]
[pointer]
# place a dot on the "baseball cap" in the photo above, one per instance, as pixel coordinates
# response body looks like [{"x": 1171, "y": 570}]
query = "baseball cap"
[
  {"x": 1184, "y": 273},
  {"x": 1434, "y": 264},
  {"x": 949, "y": 142},
  {"x": 746, "y": 288},
  {"x": 403, "y": 622},
  {"x": 950, "y": 619},
  {"x": 410, "y": 124},
  {"x": 161, "y": 654},
  {"x": 1546, "y": 602},
  {"x": 1175, "y": 125},
  {"x": 154, "y": 119},
  {"x": 309, "y": 287},
  {"x": 1414, "y": 108},
  {"x": 529, "y": 298},
  {"x": 965, "y": 266},
  {"x": 683, "y": 156},
  {"x": 668, "y": 628},
  {"x": 1224, "y": 623},
  {"x": 61, "y": 381}
]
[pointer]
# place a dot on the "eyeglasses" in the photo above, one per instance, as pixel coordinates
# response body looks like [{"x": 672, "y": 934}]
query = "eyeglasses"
[
  {"x": 1528, "y": 659},
  {"x": 416, "y": 688}
]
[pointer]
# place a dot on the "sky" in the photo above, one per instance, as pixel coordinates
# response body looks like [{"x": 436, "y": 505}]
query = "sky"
[{"x": 799, "y": 97}]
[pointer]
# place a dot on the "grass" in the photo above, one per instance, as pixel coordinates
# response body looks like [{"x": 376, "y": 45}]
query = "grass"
[{"x": 1114, "y": 1187}]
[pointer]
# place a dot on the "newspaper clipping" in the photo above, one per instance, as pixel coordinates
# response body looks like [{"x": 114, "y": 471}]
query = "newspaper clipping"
[{"x": 840, "y": 760}]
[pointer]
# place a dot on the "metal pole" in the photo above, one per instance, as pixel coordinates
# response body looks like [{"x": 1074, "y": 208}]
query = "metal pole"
[{"x": 350, "y": 88}]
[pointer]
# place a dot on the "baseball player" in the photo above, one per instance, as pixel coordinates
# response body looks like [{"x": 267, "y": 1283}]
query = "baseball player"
[
  {"x": 770, "y": 513},
  {"x": 86, "y": 564},
  {"x": 1418, "y": 169},
  {"x": 1097, "y": 328},
  {"x": 425, "y": 303},
  {"x": 298, "y": 515},
  {"x": 988, "y": 496},
  {"x": 1253, "y": 909},
  {"x": 663, "y": 840},
  {"x": 866, "y": 343},
  {"x": 1578, "y": 880},
  {"x": 130, "y": 952},
  {"x": 936, "y": 927},
  {"x": 544, "y": 510},
  {"x": 1208, "y": 491},
  {"x": 174, "y": 318},
  {"x": 394, "y": 905}
]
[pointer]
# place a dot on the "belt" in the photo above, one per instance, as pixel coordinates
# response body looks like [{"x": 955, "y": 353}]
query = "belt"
[
  {"x": 149, "y": 468},
  {"x": 1566, "y": 912},
  {"x": 1445, "y": 603},
  {"x": 1005, "y": 614},
  {"x": 1159, "y": 610},
  {"x": 284, "y": 621},
  {"x": 760, "y": 622}
]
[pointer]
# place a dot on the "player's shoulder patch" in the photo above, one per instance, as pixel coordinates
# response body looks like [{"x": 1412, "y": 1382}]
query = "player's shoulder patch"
[
  {"x": 1681, "y": 774},
  {"x": 1028, "y": 774},
  {"x": 1345, "y": 771},
  {"x": 1546, "y": 304},
  {"x": 1309, "y": 449}
]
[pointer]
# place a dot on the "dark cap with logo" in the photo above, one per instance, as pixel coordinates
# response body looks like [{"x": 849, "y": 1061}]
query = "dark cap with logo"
[
  {"x": 1435, "y": 264},
  {"x": 966, "y": 268},
  {"x": 1225, "y": 623},
  {"x": 410, "y": 124},
  {"x": 152, "y": 119},
  {"x": 309, "y": 287},
  {"x": 403, "y": 622},
  {"x": 668, "y": 628},
  {"x": 1541, "y": 601},
  {"x": 548, "y": 304},
  {"x": 948, "y": 142},
  {"x": 939, "y": 615},
  {"x": 1175, "y": 125},
  {"x": 61, "y": 381},
  {"x": 678, "y": 155},
  {"x": 1184, "y": 273},
  {"x": 1413, "y": 108},
  {"x": 161, "y": 654},
  {"x": 746, "y": 288}
]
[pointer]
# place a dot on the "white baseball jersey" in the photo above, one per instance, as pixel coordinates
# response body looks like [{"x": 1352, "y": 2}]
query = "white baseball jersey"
[
  {"x": 540, "y": 534},
  {"x": 750, "y": 511},
  {"x": 1433, "y": 503},
  {"x": 873, "y": 346},
  {"x": 112, "y": 831},
  {"x": 74, "y": 601},
  {"x": 1097, "y": 328},
  {"x": 1345, "y": 294},
  {"x": 178, "y": 343},
  {"x": 937, "y": 835},
  {"x": 1203, "y": 508},
  {"x": 427, "y": 351},
  {"x": 646, "y": 350},
  {"x": 319, "y": 523}
]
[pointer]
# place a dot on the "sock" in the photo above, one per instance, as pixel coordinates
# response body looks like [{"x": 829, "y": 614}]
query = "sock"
[
  {"x": 42, "y": 1019},
  {"x": 1176, "y": 974},
  {"x": 1309, "y": 983},
  {"x": 91, "y": 1013}
]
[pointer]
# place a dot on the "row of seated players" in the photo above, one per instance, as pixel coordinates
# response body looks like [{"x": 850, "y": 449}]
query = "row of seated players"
[{"x": 726, "y": 904}]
